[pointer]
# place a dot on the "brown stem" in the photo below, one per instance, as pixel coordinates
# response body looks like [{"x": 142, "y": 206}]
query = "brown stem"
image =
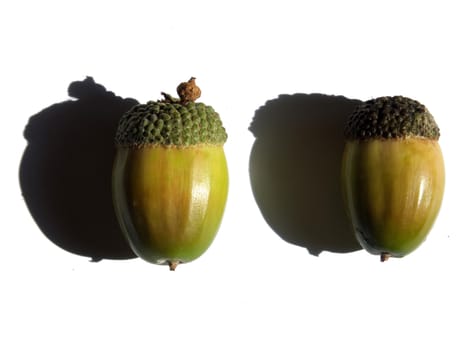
[
  {"x": 384, "y": 256},
  {"x": 173, "y": 264},
  {"x": 188, "y": 91}
]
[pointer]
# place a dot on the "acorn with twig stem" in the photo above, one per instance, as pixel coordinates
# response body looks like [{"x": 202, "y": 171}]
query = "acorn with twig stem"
[{"x": 170, "y": 177}]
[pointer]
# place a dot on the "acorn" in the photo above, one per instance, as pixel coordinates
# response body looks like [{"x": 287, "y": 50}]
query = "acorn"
[
  {"x": 392, "y": 174},
  {"x": 170, "y": 177}
]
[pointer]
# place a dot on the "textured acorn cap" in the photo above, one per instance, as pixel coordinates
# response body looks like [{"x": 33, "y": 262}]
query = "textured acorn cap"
[
  {"x": 389, "y": 118},
  {"x": 172, "y": 122}
]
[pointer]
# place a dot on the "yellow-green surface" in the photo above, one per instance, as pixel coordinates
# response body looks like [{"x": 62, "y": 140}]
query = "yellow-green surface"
[
  {"x": 169, "y": 200},
  {"x": 393, "y": 190}
]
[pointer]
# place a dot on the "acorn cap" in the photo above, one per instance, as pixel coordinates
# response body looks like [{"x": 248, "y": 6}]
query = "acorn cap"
[
  {"x": 172, "y": 122},
  {"x": 391, "y": 118}
]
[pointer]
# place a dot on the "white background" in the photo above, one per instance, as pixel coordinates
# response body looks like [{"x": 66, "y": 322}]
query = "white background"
[{"x": 252, "y": 289}]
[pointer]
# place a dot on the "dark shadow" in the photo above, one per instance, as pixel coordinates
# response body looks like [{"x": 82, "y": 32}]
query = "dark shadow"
[
  {"x": 65, "y": 172},
  {"x": 295, "y": 170}
]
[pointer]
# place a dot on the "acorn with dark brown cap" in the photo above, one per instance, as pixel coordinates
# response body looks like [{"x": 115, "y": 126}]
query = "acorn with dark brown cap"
[
  {"x": 392, "y": 174},
  {"x": 170, "y": 177}
]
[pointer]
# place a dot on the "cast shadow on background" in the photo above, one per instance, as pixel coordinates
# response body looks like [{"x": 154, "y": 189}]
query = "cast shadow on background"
[
  {"x": 295, "y": 167},
  {"x": 65, "y": 171}
]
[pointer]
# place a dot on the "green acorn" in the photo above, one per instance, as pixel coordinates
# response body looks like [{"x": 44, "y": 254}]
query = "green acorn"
[
  {"x": 392, "y": 174},
  {"x": 170, "y": 177}
]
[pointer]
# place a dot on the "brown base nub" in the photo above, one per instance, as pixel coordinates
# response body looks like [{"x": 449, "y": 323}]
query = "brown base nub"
[
  {"x": 173, "y": 264},
  {"x": 384, "y": 256}
]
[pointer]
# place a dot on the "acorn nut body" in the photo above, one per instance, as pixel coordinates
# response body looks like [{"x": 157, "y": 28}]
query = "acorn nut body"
[
  {"x": 170, "y": 178},
  {"x": 392, "y": 174}
]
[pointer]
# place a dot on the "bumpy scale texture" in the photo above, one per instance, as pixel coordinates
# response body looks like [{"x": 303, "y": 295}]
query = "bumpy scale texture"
[
  {"x": 391, "y": 117},
  {"x": 168, "y": 123}
]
